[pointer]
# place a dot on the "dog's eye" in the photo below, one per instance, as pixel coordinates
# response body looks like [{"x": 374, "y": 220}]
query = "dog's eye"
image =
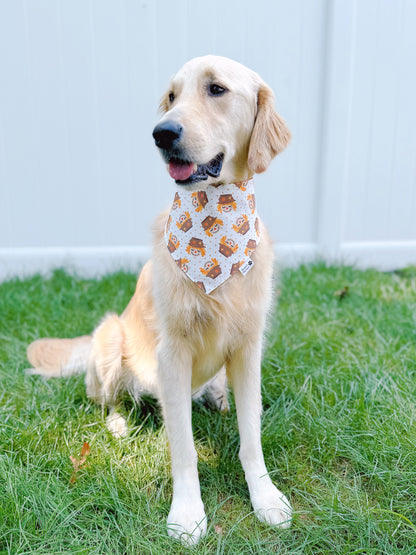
[
  {"x": 171, "y": 97},
  {"x": 216, "y": 90}
]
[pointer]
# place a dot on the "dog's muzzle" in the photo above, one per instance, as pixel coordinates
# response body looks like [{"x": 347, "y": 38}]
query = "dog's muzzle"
[{"x": 167, "y": 136}]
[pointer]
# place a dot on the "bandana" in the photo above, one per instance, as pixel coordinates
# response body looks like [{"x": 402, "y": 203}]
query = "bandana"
[{"x": 211, "y": 234}]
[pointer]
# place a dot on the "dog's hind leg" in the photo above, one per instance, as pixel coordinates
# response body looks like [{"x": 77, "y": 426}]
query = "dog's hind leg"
[{"x": 105, "y": 375}]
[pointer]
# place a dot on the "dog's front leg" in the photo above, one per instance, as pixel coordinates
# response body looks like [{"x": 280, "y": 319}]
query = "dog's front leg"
[
  {"x": 186, "y": 520},
  {"x": 269, "y": 504}
]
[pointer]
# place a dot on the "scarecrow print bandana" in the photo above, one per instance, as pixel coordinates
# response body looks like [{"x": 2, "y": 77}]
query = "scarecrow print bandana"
[{"x": 211, "y": 234}]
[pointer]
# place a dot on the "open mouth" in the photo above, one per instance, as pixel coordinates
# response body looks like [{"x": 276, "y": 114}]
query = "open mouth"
[{"x": 187, "y": 173}]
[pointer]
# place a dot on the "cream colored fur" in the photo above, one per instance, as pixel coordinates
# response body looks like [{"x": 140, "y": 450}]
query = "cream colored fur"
[{"x": 174, "y": 341}]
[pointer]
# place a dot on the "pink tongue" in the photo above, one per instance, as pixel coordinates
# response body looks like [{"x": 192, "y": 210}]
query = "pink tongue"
[{"x": 180, "y": 172}]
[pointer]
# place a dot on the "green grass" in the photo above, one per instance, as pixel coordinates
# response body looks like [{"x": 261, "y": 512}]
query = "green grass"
[{"x": 339, "y": 428}]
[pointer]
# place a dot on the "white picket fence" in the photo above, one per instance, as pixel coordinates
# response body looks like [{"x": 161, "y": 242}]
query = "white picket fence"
[{"x": 80, "y": 82}]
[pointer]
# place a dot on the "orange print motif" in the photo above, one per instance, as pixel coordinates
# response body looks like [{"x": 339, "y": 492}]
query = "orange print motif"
[
  {"x": 235, "y": 267},
  {"x": 183, "y": 264},
  {"x": 176, "y": 202},
  {"x": 227, "y": 247},
  {"x": 251, "y": 247},
  {"x": 201, "y": 285},
  {"x": 226, "y": 203},
  {"x": 196, "y": 247},
  {"x": 184, "y": 222},
  {"x": 173, "y": 243},
  {"x": 241, "y": 225},
  {"x": 242, "y": 185},
  {"x": 211, "y": 268},
  {"x": 252, "y": 203},
  {"x": 211, "y": 225},
  {"x": 199, "y": 200}
]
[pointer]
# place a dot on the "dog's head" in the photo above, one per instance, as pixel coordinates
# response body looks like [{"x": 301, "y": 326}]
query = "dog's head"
[{"x": 219, "y": 123}]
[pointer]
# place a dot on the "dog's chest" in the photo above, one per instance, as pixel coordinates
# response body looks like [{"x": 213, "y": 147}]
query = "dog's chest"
[
  {"x": 212, "y": 331},
  {"x": 212, "y": 349}
]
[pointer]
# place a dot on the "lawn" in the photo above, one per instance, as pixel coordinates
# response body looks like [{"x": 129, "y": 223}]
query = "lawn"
[{"x": 339, "y": 427}]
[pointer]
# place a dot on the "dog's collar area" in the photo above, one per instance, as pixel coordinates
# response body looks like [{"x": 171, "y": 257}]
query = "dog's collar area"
[
  {"x": 201, "y": 173},
  {"x": 211, "y": 234}
]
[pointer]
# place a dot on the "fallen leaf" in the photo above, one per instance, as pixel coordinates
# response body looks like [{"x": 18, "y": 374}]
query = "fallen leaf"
[
  {"x": 77, "y": 463},
  {"x": 342, "y": 293},
  {"x": 85, "y": 451}
]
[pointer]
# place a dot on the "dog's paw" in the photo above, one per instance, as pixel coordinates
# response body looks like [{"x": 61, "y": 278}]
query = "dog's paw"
[
  {"x": 187, "y": 522},
  {"x": 215, "y": 393},
  {"x": 272, "y": 507},
  {"x": 221, "y": 403},
  {"x": 117, "y": 425}
]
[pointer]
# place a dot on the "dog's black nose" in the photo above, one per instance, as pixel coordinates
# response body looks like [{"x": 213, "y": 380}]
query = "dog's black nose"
[{"x": 165, "y": 134}]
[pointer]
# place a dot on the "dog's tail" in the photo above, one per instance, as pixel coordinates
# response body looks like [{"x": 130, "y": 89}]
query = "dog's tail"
[{"x": 59, "y": 357}]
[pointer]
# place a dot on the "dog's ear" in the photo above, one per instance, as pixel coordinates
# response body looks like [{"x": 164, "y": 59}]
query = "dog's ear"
[
  {"x": 270, "y": 134},
  {"x": 164, "y": 103}
]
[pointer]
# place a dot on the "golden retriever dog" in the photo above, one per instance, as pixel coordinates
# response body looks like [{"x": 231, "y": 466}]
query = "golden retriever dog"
[{"x": 179, "y": 336}]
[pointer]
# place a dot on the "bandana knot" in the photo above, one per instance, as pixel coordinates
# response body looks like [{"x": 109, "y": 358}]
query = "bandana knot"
[{"x": 211, "y": 234}]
